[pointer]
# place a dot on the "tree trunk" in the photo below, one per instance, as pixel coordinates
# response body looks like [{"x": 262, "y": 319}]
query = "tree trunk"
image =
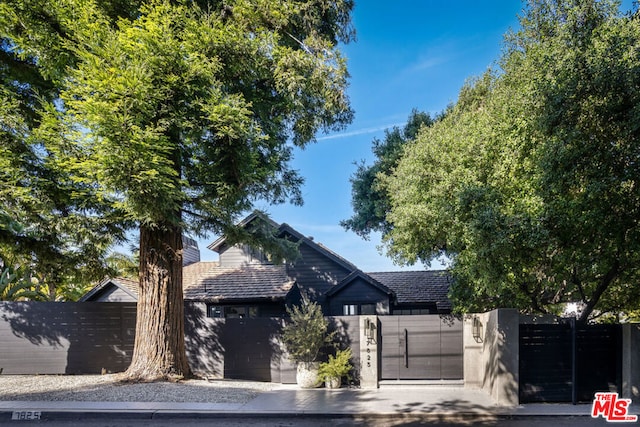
[
  {"x": 599, "y": 291},
  {"x": 159, "y": 349}
]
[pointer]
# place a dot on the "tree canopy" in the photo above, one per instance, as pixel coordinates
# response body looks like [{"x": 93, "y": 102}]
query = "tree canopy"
[
  {"x": 530, "y": 182},
  {"x": 176, "y": 116},
  {"x": 50, "y": 222},
  {"x": 369, "y": 201}
]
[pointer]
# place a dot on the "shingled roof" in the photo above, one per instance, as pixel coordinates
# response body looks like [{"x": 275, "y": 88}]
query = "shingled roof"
[
  {"x": 414, "y": 287},
  {"x": 129, "y": 286},
  {"x": 251, "y": 282},
  {"x": 192, "y": 273}
]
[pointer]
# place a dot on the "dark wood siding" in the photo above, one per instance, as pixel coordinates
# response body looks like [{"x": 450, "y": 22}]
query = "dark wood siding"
[
  {"x": 358, "y": 292},
  {"x": 315, "y": 273},
  {"x": 249, "y": 348},
  {"x": 190, "y": 252},
  {"x": 66, "y": 338},
  {"x": 112, "y": 294}
]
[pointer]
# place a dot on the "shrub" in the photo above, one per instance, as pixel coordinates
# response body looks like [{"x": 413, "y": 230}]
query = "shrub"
[
  {"x": 306, "y": 333},
  {"x": 338, "y": 366}
]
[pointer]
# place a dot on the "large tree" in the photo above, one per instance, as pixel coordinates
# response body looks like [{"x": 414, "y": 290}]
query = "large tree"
[
  {"x": 530, "y": 184},
  {"x": 179, "y": 115}
]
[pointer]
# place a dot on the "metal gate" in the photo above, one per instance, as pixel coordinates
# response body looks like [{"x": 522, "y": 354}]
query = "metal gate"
[
  {"x": 569, "y": 363},
  {"x": 421, "y": 347}
]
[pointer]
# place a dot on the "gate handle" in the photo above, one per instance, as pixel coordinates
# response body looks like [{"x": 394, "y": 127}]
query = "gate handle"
[{"x": 406, "y": 348}]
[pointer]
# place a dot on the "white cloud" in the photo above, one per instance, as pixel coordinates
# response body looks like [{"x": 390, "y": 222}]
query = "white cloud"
[{"x": 362, "y": 131}]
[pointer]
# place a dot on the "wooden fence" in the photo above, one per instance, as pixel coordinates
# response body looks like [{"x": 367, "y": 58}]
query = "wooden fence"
[{"x": 91, "y": 338}]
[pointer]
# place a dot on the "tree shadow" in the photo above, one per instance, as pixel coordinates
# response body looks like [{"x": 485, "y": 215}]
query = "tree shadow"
[
  {"x": 248, "y": 349},
  {"x": 345, "y": 332},
  {"x": 501, "y": 374}
]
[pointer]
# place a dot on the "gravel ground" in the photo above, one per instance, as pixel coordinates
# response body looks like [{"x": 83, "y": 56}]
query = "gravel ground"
[{"x": 108, "y": 388}]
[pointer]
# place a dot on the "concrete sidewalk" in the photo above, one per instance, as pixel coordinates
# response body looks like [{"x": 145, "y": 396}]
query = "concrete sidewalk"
[{"x": 291, "y": 401}]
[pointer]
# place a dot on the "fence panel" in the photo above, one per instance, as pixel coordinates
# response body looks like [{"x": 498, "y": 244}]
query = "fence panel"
[
  {"x": 66, "y": 338},
  {"x": 552, "y": 370}
]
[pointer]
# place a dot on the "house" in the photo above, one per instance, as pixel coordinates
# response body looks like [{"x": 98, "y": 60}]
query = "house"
[
  {"x": 244, "y": 283},
  {"x": 119, "y": 289}
]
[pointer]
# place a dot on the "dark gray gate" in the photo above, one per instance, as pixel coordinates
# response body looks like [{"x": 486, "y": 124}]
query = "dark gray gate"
[
  {"x": 569, "y": 363},
  {"x": 421, "y": 347}
]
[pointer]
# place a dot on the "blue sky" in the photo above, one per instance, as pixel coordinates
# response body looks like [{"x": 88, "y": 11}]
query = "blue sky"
[{"x": 408, "y": 54}]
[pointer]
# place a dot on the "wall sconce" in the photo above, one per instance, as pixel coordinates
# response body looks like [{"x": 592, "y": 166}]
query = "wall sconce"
[
  {"x": 476, "y": 330},
  {"x": 369, "y": 330}
]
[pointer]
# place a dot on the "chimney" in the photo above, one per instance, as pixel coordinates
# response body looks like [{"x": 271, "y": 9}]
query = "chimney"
[{"x": 190, "y": 251}]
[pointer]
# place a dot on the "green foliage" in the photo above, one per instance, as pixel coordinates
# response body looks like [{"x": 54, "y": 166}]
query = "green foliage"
[
  {"x": 57, "y": 225},
  {"x": 16, "y": 285},
  {"x": 338, "y": 366},
  {"x": 172, "y": 112},
  {"x": 190, "y": 110},
  {"x": 162, "y": 115},
  {"x": 369, "y": 200},
  {"x": 530, "y": 183},
  {"x": 306, "y": 333},
  {"x": 123, "y": 265}
]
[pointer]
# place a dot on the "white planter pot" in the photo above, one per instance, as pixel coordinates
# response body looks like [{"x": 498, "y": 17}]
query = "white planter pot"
[
  {"x": 334, "y": 382},
  {"x": 307, "y": 374}
]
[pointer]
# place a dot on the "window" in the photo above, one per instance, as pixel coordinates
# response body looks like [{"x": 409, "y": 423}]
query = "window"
[
  {"x": 349, "y": 310},
  {"x": 257, "y": 256},
  {"x": 215, "y": 311},
  {"x": 232, "y": 311},
  {"x": 356, "y": 309}
]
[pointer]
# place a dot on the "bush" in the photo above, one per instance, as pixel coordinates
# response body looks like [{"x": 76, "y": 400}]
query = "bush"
[
  {"x": 338, "y": 366},
  {"x": 306, "y": 333}
]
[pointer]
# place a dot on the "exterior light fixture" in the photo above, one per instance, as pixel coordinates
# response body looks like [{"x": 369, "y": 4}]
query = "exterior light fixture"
[
  {"x": 369, "y": 330},
  {"x": 477, "y": 329}
]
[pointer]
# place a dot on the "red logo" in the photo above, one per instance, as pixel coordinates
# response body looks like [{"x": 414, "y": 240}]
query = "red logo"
[{"x": 611, "y": 408}]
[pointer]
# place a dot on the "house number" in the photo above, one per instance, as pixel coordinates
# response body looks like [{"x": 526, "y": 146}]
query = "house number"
[
  {"x": 368, "y": 357},
  {"x": 25, "y": 415}
]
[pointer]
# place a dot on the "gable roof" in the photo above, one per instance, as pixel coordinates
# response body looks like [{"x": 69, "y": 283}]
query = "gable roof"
[
  {"x": 283, "y": 230},
  {"x": 319, "y": 247},
  {"x": 415, "y": 287},
  {"x": 129, "y": 286},
  {"x": 217, "y": 244},
  {"x": 357, "y": 274},
  {"x": 227, "y": 284}
]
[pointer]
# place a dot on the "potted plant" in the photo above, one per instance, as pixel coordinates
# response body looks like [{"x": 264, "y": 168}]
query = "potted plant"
[
  {"x": 336, "y": 368},
  {"x": 304, "y": 336}
]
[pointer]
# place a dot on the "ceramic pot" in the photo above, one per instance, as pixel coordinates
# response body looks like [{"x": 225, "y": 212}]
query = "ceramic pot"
[
  {"x": 333, "y": 382},
  {"x": 307, "y": 374}
]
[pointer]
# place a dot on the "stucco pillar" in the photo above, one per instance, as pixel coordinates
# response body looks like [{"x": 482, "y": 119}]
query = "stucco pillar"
[
  {"x": 491, "y": 354},
  {"x": 369, "y": 340},
  {"x": 631, "y": 361}
]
